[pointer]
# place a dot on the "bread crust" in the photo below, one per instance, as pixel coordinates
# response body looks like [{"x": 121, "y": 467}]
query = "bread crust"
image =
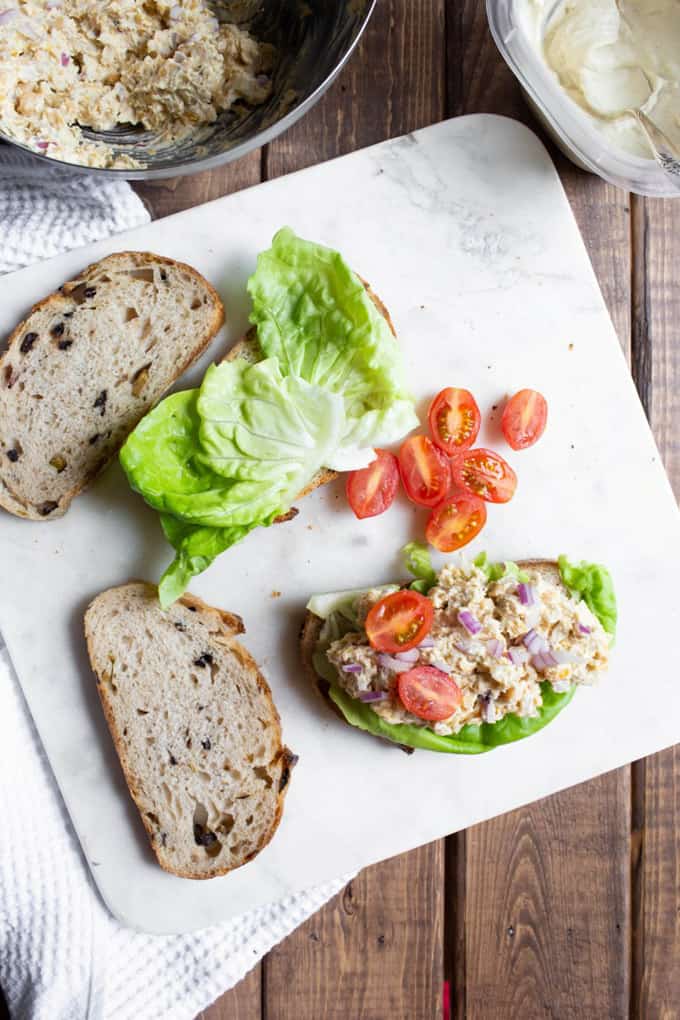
[
  {"x": 9, "y": 500},
  {"x": 228, "y": 626},
  {"x": 311, "y": 629}
]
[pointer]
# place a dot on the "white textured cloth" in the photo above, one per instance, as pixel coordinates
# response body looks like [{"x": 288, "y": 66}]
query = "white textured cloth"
[{"x": 62, "y": 955}]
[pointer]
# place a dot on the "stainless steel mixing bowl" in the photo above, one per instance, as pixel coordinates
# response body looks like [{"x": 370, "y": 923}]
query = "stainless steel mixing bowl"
[{"x": 312, "y": 38}]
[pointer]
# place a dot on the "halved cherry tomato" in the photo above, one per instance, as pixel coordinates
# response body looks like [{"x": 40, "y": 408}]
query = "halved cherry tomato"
[
  {"x": 372, "y": 489},
  {"x": 428, "y": 693},
  {"x": 454, "y": 420},
  {"x": 524, "y": 419},
  {"x": 425, "y": 471},
  {"x": 399, "y": 621},
  {"x": 485, "y": 474},
  {"x": 456, "y": 522}
]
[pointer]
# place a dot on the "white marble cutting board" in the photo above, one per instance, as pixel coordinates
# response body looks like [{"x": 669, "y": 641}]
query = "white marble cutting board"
[{"x": 465, "y": 232}]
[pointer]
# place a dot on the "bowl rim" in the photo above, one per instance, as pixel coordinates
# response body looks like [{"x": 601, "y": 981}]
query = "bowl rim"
[{"x": 230, "y": 155}]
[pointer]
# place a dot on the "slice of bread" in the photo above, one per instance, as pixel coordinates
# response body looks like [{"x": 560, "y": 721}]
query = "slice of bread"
[
  {"x": 86, "y": 364},
  {"x": 249, "y": 350},
  {"x": 194, "y": 725},
  {"x": 312, "y": 625}
]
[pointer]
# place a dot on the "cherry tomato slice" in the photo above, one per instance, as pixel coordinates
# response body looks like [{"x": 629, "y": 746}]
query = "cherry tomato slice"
[
  {"x": 425, "y": 471},
  {"x": 485, "y": 474},
  {"x": 399, "y": 621},
  {"x": 456, "y": 522},
  {"x": 428, "y": 693},
  {"x": 454, "y": 420},
  {"x": 371, "y": 490},
  {"x": 524, "y": 419}
]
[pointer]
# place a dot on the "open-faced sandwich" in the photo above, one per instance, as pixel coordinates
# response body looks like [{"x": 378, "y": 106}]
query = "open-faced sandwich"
[{"x": 462, "y": 661}]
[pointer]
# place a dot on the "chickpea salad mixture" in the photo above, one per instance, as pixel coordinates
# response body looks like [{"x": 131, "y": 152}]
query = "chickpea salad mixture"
[
  {"x": 486, "y": 643},
  {"x": 167, "y": 65}
]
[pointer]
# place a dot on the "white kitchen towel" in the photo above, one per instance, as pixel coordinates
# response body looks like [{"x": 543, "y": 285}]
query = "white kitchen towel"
[{"x": 62, "y": 955}]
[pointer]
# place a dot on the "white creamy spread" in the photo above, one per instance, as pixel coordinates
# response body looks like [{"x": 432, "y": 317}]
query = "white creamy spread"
[
  {"x": 167, "y": 65},
  {"x": 610, "y": 57},
  {"x": 491, "y": 684}
]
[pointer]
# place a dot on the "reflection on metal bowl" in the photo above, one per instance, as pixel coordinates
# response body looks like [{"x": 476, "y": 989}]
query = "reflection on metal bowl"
[{"x": 312, "y": 39}]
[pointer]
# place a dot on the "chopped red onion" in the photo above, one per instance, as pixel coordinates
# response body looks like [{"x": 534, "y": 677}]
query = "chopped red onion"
[
  {"x": 543, "y": 660},
  {"x": 534, "y": 642},
  {"x": 7, "y": 15},
  {"x": 427, "y": 642},
  {"x": 41, "y": 145},
  {"x": 393, "y": 665},
  {"x": 65, "y": 60},
  {"x": 526, "y": 594},
  {"x": 495, "y": 648},
  {"x": 368, "y": 696},
  {"x": 584, "y": 630},
  {"x": 441, "y": 665},
  {"x": 467, "y": 620},
  {"x": 518, "y": 656},
  {"x": 410, "y": 656},
  {"x": 464, "y": 647},
  {"x": 352, "y": 667},
  {"x": 488, "y": 710}
]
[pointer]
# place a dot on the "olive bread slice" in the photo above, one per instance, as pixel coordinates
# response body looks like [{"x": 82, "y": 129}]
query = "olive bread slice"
[
  {"x": 86, "y": 365},
  {"x": 194, "y": 725}
]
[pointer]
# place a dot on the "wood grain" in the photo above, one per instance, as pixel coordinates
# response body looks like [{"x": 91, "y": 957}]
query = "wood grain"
[
  {"x": 656, "y": 781},
  {"x": 374, "y": 952},
  {"x": 243, "y": 1002},
  {"x": 540, "y": 897},
  {"x": 177, "y": 193}
]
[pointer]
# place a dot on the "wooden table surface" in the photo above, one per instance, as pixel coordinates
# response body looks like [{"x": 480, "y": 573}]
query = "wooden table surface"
[{"x": 569, "y": 908}]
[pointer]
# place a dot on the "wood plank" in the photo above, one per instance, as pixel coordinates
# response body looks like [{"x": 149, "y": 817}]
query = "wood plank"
[
  {"x": 539, "y": 899},
  {"x": 164, "y": 197},
  {"x": 242, "y": 1002},
  {"x": 377, "y": 950},
  {"x": 393, "y": 84},
  {"x": 656, "y": 780}
]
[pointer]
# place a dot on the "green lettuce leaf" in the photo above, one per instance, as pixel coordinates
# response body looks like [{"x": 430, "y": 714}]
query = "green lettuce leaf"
[
  {"x": 314, "y": 315},
  {"x": 418, "y": 562},
  {"x": 495, "y": 571},
  {"x": 196, "y": 548},
  {"x": 162, "y": 460},
  {"x": 257, "y": 426},
  {"x": 592, "y": 583},
  {"x": 469, "y": 740}
]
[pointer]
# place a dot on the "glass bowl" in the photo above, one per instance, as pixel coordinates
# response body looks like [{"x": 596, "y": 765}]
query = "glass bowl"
[{"x": 568, "y": 125}]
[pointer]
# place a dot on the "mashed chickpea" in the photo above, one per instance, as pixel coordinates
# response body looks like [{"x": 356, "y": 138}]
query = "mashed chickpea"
[{"x": 167, "y": 66}]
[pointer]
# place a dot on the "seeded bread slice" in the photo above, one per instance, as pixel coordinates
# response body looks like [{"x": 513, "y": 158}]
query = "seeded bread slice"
[
  {"x": 249, "y": 350},
  {"x": 86, "y": 365},
  {"x": 312, "y": 625},
  {"x": 194, "y": 725}
]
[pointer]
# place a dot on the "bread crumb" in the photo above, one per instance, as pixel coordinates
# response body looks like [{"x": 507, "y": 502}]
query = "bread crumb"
[{"x": 276, "y": 594}]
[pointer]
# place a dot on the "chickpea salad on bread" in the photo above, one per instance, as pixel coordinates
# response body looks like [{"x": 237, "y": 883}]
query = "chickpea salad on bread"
[{"x": 462, "y": 661}]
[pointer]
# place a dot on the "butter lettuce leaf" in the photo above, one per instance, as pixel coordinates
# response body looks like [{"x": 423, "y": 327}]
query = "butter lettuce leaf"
[
  {"x": 495, "y": 571},
  {"x": 314, "y": 315},
  {"x": 593, "y": 583},
  {"x": 196, "y": 548},
  {"x": 469, "y": 740},
  {"x": 418, "y": 562}
]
